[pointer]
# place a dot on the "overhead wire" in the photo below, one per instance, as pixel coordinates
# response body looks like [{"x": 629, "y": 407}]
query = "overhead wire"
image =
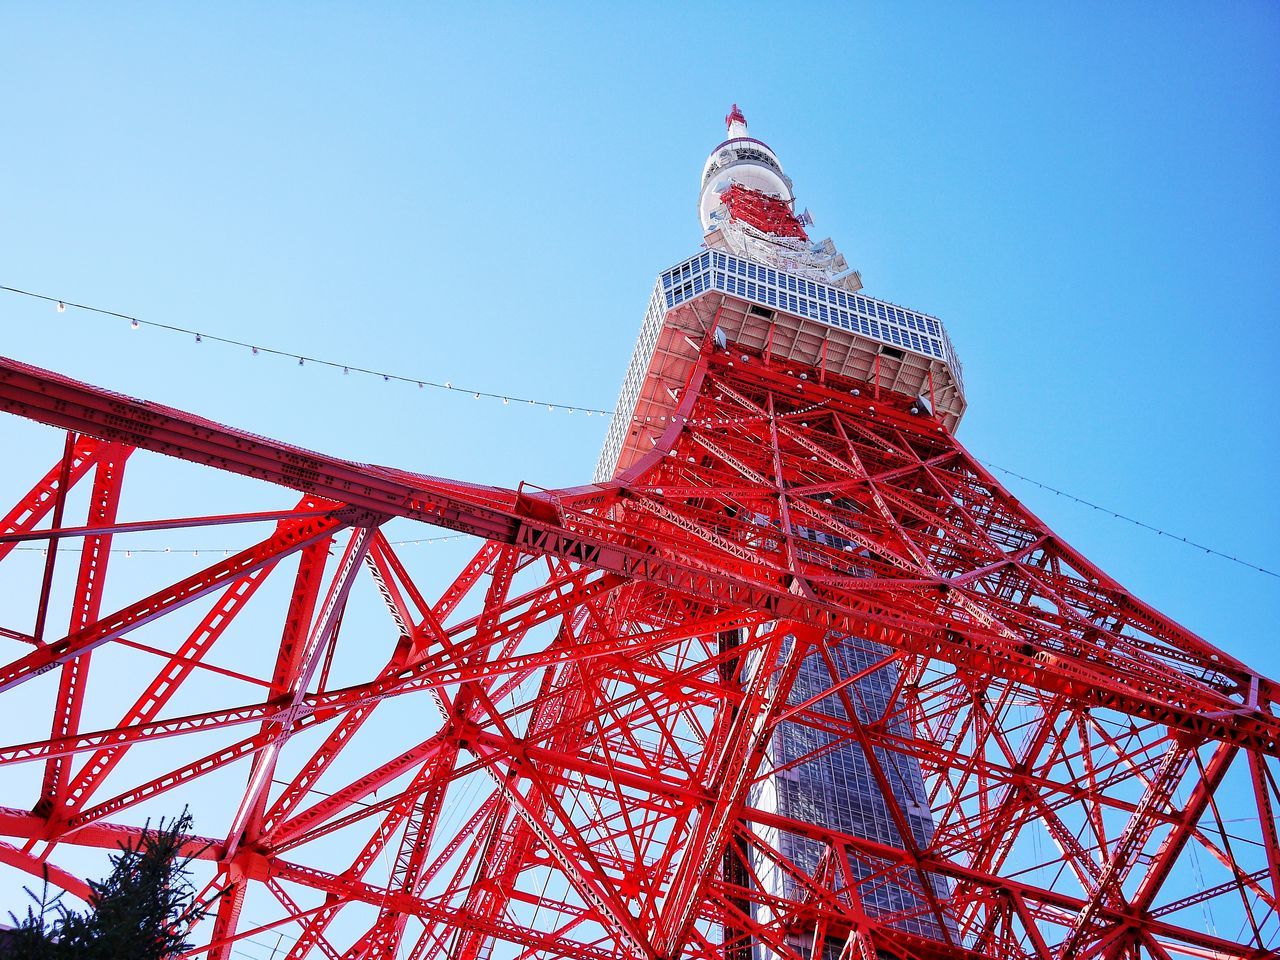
[
  {"x": 1133, "y": 520},
  {"x": 302, "y": 358},
  {"x": 348, "y": 368}
]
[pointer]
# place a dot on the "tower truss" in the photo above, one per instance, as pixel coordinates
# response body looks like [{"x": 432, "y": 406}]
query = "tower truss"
[{"x": 566, "y": 745}]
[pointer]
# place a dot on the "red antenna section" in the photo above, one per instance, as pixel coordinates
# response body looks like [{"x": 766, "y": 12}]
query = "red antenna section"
[
  {"x": 734, "y": 114},
  {"x": 766, "y": 213}
]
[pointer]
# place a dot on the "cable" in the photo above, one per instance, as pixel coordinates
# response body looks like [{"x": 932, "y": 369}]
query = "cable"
[
  {"x": 303, "y": 359},
  {"x": 347, "y": 368},
  {"x": 1137, "y": 523}
]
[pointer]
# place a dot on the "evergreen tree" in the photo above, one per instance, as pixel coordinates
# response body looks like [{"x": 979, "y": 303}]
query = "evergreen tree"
[
  {"x": 141, "y": 910},
  {"x": 34, "y": 936}
]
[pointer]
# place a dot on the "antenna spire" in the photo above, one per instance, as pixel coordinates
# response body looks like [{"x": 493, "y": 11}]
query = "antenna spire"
[{"x": 734, "y": 116}]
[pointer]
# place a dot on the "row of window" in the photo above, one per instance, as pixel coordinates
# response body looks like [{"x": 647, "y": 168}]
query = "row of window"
[
  {"x": 733, "y": 155},
  {"x": 804, "y": 298},
  {"x": 767, "y": 286},
  {"x": 792, "y": 284}
]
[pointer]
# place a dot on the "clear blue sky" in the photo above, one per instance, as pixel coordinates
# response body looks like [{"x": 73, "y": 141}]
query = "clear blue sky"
[{"x": 1086, "y": 196}]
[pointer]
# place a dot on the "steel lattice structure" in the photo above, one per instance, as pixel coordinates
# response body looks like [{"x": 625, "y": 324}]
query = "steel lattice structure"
[{"x": 598, "y": 691}]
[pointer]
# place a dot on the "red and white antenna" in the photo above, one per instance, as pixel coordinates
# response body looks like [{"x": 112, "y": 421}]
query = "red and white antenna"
[
  {"x": 735, "y": 116},
  {"x": 744, "y": 160},
  {"x": 746, "y": 205}
]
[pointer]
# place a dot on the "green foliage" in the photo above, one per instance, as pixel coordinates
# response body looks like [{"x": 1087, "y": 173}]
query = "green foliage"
[
  {"x": 32, "y": 937},
  {"x": 141, "y": 910}
]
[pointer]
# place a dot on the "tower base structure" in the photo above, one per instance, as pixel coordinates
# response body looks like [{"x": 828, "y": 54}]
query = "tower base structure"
[
  {"x": 610, "y": 701},
  {"x": 795, "y": 677}
]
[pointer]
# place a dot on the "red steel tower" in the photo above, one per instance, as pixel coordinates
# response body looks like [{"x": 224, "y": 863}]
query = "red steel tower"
[{"x": 793, "y": 677}]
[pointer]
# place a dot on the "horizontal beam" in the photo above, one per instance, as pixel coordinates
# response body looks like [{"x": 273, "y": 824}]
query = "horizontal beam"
[
  {"x": 111, "y": 836},
  {"x": 144, "y": 526},
  {"x": 59, "y": 401}
]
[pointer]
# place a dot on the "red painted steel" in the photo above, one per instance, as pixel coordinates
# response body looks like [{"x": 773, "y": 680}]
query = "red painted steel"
[
  {"x": 581, "y": 714},
  {"x": 767, "y": 214}
]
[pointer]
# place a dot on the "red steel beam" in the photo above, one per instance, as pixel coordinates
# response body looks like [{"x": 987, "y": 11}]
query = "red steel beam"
[{"x": 536, "y": 522}]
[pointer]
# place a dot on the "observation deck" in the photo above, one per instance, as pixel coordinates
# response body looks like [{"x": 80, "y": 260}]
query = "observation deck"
[{"x": 789, "y": 318}]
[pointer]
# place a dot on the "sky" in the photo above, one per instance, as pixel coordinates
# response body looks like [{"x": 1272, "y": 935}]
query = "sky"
[{"x": 483, "y": 194}]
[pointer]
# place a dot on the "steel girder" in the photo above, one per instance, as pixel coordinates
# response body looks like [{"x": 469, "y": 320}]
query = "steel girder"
[{"x": 561, "y": 749}]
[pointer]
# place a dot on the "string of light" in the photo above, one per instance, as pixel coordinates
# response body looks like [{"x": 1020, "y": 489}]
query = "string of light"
[
  {"x": 1133, "y": 520},
  {"x": 302, "y": 359}
]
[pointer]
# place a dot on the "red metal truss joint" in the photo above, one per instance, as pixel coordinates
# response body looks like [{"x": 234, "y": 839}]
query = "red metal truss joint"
[
  {"x": 249, "y": 862},
  {"x": 43, "y": 497}
]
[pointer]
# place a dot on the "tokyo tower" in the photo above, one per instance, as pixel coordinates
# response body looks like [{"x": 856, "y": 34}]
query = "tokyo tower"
[{"x": 793, "y": 677}]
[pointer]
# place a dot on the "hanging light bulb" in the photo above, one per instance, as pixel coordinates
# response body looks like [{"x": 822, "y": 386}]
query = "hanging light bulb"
[
  {"x": 198, "y": 339},
  {"x": 346, "y": 372},
  {"x": 477, "y": 395},
  {"x": 300, "y": 362},
  {"x": 505, "y": 401},
  {"x": 254, "y": 349},
  {"x": 62, "y": 307},
  {"x": 133, "y": 325},
  {"x": 128, "y": 554}
]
